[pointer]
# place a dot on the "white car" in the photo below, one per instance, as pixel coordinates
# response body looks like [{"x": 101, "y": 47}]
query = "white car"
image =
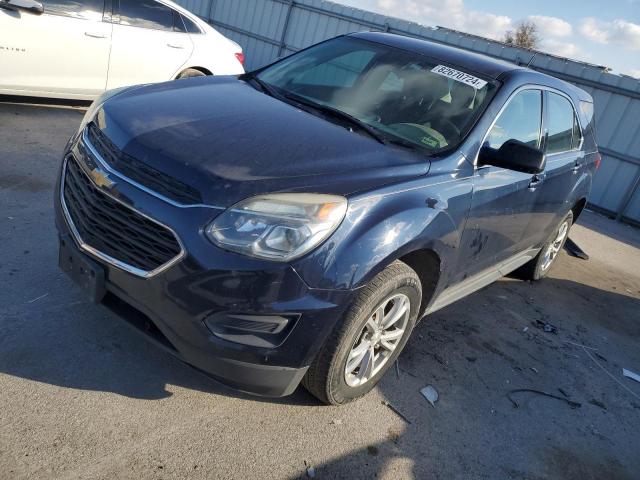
[{"x": 77, "y": 49}]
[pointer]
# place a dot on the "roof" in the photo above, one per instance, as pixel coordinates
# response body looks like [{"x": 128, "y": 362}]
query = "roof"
[{"x": 475, "y": 62}]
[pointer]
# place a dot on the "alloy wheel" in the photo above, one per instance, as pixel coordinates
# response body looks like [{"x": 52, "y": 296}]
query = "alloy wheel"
[
  {"x": 377, "y": 340},
  {"x": 554, "y": 247}
]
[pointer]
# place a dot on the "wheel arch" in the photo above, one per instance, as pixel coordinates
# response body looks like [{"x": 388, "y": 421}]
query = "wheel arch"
[
  {"x": 578, "y": 207},
  {"x": 204, "y": 70},
  {"x": 427, "y": 265}
]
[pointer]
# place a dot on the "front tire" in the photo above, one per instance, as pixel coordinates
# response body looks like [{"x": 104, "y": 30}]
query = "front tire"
[
  {"x": 369, "y": 339},
  {"x": 541, "y": 265}
]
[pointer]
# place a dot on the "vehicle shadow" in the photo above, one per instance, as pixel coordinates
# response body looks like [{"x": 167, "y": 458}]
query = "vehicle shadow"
[
  {"x": 466, "y": 351},
  {"x": 76, "y": 344},
  {"x": 479, "y": 350}
]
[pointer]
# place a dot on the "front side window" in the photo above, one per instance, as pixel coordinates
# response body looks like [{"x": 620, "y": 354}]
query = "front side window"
[
  {"x": 520, "y": 120},
  {"x": 84, "y": 9},
  {"x": 146, "y": 14},
  {"x": 564, "y": 129},
  {"x": 403, "y": 96}
]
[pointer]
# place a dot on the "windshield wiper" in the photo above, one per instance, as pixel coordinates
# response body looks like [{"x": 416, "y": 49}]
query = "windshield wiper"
[
  {"x": 339, "y": 114},
  {"x": 264, "y": 86}
]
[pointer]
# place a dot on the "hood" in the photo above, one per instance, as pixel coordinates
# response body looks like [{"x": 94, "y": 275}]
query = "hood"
[{"x": 227, "y": 141}]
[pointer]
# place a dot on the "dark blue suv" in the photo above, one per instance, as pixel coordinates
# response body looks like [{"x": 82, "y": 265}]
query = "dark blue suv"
[{"x": 294, "y": 223}]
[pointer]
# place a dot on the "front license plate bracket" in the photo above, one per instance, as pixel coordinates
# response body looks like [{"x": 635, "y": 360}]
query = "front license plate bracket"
[{"x": 85, "y": 272}]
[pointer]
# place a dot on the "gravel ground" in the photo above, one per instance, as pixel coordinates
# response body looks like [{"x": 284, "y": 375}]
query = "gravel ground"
[{"x": 82, "y": 396}]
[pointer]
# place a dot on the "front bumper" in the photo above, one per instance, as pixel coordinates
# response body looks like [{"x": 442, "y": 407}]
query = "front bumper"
[{"x": 172, "y": 305}]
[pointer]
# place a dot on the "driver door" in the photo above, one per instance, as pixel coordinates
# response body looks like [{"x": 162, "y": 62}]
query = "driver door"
[
  {"x": 503, "y": 200},
  {"x": 63, "y": 52}
]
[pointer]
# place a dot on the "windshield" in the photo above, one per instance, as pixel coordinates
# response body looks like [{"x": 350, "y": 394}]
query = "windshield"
[{"x": 403, "y": 96}]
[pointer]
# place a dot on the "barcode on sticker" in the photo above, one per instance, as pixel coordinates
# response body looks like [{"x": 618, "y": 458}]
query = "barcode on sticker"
[{"x": 459, "y": 76}]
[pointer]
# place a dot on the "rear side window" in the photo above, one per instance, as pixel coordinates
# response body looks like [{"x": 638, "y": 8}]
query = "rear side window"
[
  {"x": 520, "y": 120},
  {"x": 85, "y": 9},
  {"x": 146, "y": 14},
  {"x": 190, "y": 25},
  {"x": 563, "y": 126}
]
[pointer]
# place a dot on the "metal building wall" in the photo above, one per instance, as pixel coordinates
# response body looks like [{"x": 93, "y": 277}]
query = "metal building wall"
[{"x": 268, "y": 29}]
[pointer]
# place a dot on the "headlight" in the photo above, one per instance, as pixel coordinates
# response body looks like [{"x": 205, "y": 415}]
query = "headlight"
[{"x": 280, "y": 226}]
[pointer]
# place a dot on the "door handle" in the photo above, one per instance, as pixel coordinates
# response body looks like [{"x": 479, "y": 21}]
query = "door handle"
[
  {"x": 576, "y": 167},
  {"x": 175, "y": 45},
  {"x": 95, "y": 35},
  {"x": 535, "y": 181}
]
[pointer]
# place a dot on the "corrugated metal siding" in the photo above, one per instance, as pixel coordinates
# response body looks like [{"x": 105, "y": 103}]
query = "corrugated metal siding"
[{"x": 268, "y": 29}]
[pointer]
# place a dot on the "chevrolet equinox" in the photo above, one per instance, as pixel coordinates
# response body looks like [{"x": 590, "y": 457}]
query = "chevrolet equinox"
[{"x": 292, "y": 224}]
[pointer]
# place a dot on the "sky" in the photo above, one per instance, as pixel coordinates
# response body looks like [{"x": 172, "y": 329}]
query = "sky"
[{"x": 603, "y": 32}]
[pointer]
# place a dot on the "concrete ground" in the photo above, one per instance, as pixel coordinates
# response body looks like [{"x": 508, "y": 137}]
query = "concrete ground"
[{"x": 82, "y": 396}]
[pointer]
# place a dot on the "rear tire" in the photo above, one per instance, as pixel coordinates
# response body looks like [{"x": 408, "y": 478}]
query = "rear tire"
[
  {"x": 341, "y": 372},
  {"x": 541, "y": 265},
  {"x": 190, "y": 73}
]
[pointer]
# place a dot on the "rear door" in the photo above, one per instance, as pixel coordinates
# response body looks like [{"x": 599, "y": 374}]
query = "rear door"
[
  {"x": 565, "y": 160},
  {"x": 150, "y": 44},
  {"x": 503, "y": 199},
  {"x": 63, "y": 52}
]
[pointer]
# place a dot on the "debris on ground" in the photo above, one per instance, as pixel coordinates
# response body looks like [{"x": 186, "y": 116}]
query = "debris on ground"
[
  {"x": 631, "y": 375},
  {"x": 579, "y": 345},
  {"x": 336, "y": 421},
  {"x": 574, "y": 250},
  {"x": 597, "y": 403},
  {"x": 430, "y": 394},
  {"x": 601, "y": 357},
  {"x": 610, "y": 374},
  {"x": 546, "y": 327},
  {"x": 571, "y": 403},
  {"x": 534, "y": 369},
  {"x": 38, "y": 298},
  {"x": 311, "y": 471},
  {"x": 396, "y": 411},
  {"x": 372, "y": 450}
]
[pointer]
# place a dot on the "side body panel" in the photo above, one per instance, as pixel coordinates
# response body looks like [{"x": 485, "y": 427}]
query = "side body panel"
[
  {"x": 144, "y": 55},
  {"x": 215, "y": 53},
  {"x": 53, "y": 55},
  {"x": 428, "y": 212},
  {"x": 480, "y": 227}
]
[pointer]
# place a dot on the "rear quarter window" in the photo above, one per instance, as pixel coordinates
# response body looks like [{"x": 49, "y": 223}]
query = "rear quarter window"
[{"x": 190, "y": 25}]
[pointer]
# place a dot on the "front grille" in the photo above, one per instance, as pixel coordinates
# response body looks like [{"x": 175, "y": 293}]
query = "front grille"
[
  {"x": 112, "y": 228},
  {"x": 140, "y": 172}
]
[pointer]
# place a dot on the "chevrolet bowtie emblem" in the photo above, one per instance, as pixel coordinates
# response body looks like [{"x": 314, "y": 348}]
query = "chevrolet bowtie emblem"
[{"x": 101, "y": 178}]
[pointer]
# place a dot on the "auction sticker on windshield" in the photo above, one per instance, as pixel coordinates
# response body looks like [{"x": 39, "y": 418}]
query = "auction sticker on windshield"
[{"x": 459, "y": 76}]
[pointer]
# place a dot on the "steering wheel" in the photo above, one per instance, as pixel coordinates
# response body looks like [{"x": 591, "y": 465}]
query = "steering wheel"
[
  {"x": 424, "y": 134},
  {"x": 445, "y": 126}
]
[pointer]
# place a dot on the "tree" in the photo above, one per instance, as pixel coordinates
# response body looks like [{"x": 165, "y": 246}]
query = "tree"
[{"x": 525, "y": 35}]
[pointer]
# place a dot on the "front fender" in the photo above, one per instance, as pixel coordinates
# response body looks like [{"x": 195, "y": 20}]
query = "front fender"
[{"x": 385, "y": 226}]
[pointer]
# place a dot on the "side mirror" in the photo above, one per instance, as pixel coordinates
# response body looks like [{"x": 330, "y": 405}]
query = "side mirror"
[
  {"x": 31, "y": 6},
  {"x": 514, "y": 155}
]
